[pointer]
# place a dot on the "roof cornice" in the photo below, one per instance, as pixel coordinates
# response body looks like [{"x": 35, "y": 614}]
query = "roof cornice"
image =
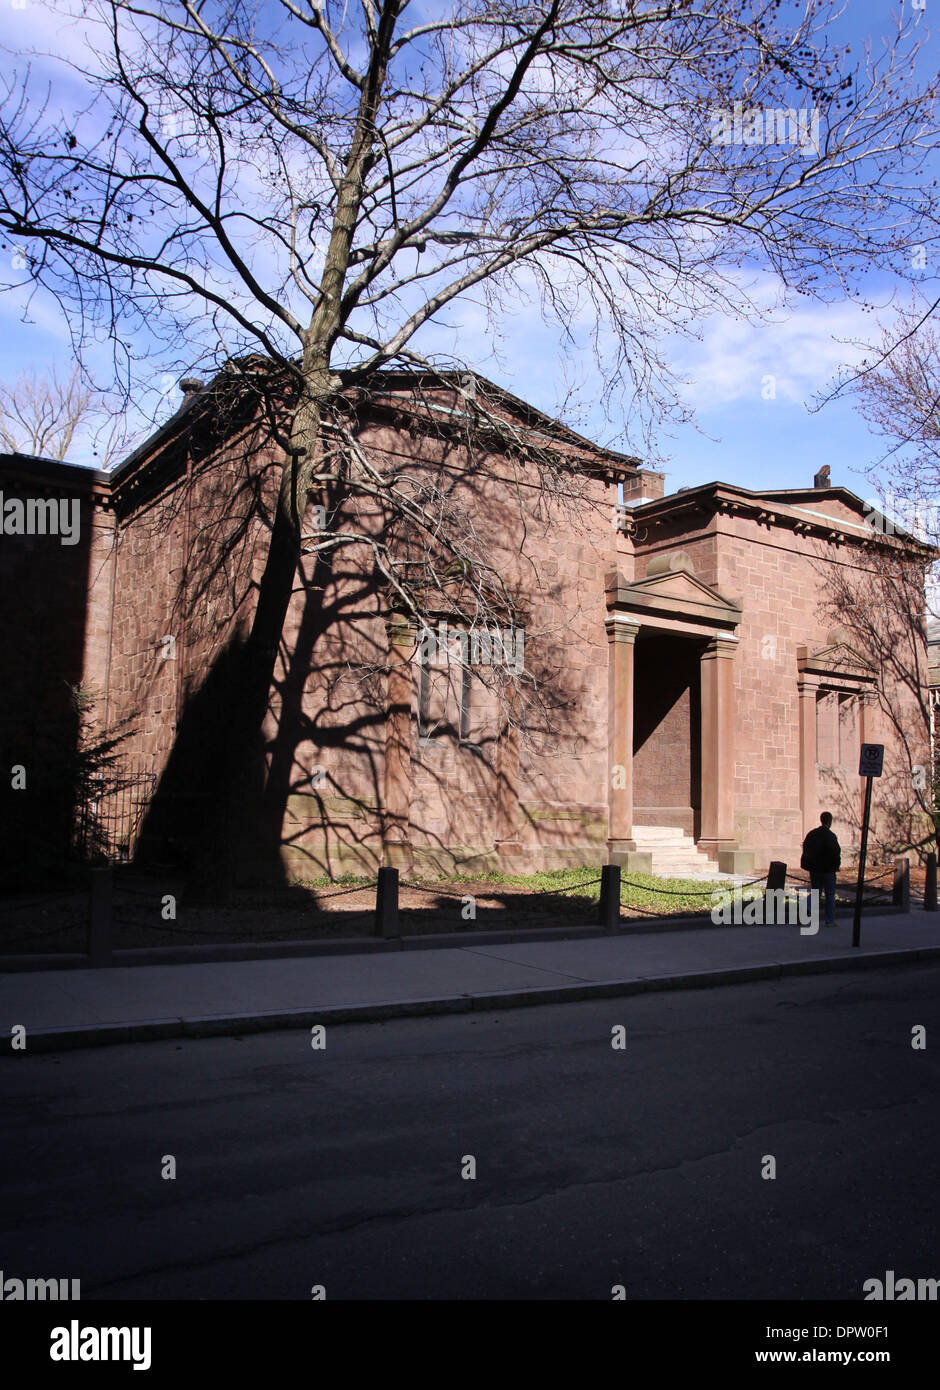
[
  {"x": 782, "y": 509},
  {"x": 46, "y": 474},
  {"x": 388, "y": 391}
]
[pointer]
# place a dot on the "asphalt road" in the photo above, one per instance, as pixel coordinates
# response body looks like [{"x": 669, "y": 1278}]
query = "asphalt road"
[{"x": 595, "y": 1167}]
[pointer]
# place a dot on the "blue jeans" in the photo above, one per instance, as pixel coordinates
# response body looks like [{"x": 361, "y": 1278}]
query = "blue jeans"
[{"x": 826, "y": 884}]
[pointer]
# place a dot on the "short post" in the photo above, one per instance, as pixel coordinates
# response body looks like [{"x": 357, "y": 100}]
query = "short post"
[
  {"x": 386, "y": 903},
  {"x": 100, "y": 915},
  {"x": 608, "y": 907},
  {"x": 776, "y": 883},
  {"x": 901, "y": 896},
  {"x": 930, "y": 884},
  {"x": 776, "y": 876}
]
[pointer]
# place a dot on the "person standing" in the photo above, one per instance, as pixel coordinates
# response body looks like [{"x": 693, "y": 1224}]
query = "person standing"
[{"x": 822, "y": 857}]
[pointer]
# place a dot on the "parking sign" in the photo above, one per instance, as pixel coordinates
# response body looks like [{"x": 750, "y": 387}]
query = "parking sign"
[{"x": 871, "y": 760}]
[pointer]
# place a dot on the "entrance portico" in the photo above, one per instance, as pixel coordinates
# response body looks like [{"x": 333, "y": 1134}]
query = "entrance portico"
[{"x": 671, "y": 602}]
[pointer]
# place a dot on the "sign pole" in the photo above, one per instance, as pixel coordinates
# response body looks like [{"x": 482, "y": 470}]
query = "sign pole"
[
  {"x": 870, "y": 764},
  {"x": 857, "y": 922}
]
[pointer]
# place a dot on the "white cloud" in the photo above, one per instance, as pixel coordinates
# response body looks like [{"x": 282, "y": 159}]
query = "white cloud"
[{"x": 800, "y": 347}]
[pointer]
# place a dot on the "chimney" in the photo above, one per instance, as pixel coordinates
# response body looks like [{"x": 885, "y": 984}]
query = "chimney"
[
  {"x": 822, "y": 477},
  {"x": 645, "y": 486}
]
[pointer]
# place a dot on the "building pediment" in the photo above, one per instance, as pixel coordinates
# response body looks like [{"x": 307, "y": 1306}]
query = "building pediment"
[
  {"x": 838, "y": 660},
  {"x": 673, "y": 592}
]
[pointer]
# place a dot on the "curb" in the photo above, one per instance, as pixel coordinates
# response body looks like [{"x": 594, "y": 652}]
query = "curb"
[{"x": 228, "y": 1025}]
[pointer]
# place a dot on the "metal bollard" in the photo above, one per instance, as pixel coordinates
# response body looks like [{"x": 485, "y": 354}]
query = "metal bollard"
[
  {"x": 386, "y": 903},
  {"x": 608, "y": 907},
  {"x": 100, "y": 915}
]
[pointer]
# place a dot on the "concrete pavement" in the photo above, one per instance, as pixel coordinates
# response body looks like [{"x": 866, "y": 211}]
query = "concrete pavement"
[{"x": 91, "y": 1007}]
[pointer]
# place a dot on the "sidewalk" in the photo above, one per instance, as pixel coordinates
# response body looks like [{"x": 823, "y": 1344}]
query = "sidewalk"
[{"x": 87, "y": 1008}]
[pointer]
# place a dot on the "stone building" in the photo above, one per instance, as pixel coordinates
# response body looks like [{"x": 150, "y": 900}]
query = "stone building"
[{"x": 692, "y": 706}]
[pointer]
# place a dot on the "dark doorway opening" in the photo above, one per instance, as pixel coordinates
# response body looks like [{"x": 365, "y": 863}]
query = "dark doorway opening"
[{"x": 667, "y": 732}]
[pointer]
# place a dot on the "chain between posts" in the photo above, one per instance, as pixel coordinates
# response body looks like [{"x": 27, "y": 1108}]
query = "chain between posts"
[
  {"x": 689, "y": 892},
  {"x": 339, "y": 893},
  {"x": 281, "y": 933},
  {"x": 456, "y": 893}
]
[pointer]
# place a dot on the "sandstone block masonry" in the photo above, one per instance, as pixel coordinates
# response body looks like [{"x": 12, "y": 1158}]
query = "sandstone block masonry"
[{"x": 674, "y": 667}]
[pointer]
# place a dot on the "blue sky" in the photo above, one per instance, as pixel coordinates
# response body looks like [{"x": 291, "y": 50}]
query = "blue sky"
[{"x": 751, "y": 431}]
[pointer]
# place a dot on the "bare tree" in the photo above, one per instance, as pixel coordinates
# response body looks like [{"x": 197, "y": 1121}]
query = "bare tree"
[
  {"x": 881, "y": 613},
  {"x": 315, "y": 183},
  {"x": 41, "y": 415},
  {"x": 897, "y": 387}
]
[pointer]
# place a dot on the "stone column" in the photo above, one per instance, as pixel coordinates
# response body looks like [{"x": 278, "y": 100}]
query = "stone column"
[
  {"x": 621, "y": 846},
  {"x": 717, "y": 829},
  {"x": 396, "y": 808},
  {"x": 809, "y": 795}
]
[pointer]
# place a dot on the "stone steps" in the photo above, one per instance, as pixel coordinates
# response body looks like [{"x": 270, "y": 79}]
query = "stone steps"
[{"x": 674, "y": 853}]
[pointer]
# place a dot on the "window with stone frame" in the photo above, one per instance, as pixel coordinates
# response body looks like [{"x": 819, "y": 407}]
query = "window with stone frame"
[
  {"x": 455, "y": 702},
  {"x": 827, "y": 728},
  {"x": 838, "y": 729},
  {"x": 432, "y": 702}
]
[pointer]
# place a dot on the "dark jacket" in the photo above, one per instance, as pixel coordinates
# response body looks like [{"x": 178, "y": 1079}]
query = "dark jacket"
[{"x": 821, "y": 852}]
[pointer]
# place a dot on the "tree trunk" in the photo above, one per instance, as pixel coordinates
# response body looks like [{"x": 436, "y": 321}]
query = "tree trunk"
[
  {"x": 236, "y": 796},
  {"x": 242, "y": 780}
]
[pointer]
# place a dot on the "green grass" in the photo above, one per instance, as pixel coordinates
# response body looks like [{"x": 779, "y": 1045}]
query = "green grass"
[
  {"x": 675, "y": 894},
  {"x": 340, "y": 881},
  {"x": 540, "y": 882},
  {"x": 636, "y": 890}
]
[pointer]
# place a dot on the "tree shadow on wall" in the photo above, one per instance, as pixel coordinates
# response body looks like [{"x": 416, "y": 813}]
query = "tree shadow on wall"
[{"x": 301, "y": 795}]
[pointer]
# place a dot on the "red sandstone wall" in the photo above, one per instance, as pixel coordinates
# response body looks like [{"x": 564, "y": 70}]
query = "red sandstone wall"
[
  {"x": 555, "y": 555},
  {"x": 779, "y": 596},
  {"x": 97, "y": 643},
  {"x": 186, "y": 548},
  {"x": 773, "y": 573},
  {"x": 326, "y": 727},
  {"x": 776, "y": 575}
]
